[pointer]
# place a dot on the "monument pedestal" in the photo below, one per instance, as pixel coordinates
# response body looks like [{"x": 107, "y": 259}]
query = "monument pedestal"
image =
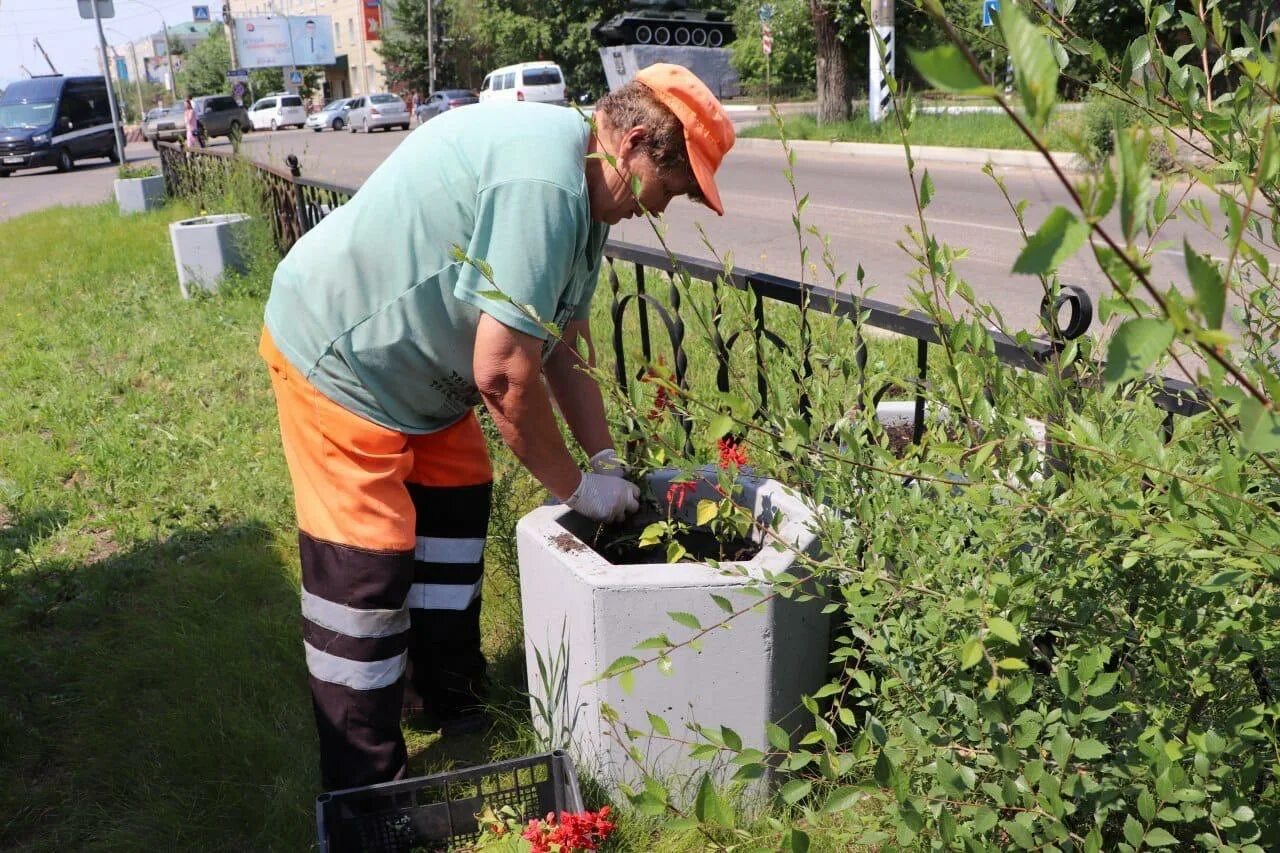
[{"x": 710, "y": 64}]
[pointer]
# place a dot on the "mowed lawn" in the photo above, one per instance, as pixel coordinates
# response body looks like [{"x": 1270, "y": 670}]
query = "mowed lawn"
[{"x": 152, "y": 687}]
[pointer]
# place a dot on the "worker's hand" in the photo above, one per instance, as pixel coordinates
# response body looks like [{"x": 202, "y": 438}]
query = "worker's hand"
[
  {"x": 606, "y": 462},
  {"x": 603, "y": 497}
]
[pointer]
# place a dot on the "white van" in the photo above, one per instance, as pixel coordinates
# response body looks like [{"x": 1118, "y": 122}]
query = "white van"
[
  {"x": 276, "y": 111},
  {"x": 541, "y": 82}
]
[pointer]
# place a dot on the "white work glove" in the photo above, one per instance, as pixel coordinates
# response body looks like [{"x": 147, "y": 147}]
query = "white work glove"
[
  {"x": 604, "y": 497},
  {"x": 606, "y": 462}
]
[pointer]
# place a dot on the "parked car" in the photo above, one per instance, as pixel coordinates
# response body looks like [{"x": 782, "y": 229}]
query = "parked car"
[
  {"x": 220, "y": 115},
  {"x": 276, "y": 111},
  {"x": 444, "y": 100},
  {"x": 164, "y": 124},
  {"x": 542, "y": 82},
  {"x": 332, "y": 114},
  {"x": 381, "y": 109},
  {"x": 54, "y": 121}
]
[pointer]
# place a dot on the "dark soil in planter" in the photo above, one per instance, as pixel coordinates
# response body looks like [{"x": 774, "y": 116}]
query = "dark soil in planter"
[{"x": 620, "y": 543}]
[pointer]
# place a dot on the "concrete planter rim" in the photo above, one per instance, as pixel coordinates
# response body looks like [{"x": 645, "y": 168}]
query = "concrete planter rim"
[{"x": 767, "y": 496}]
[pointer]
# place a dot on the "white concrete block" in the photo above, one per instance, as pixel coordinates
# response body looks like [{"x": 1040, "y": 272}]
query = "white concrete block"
[
  {"x": 743, "y": 677},
  {"x": 138, "y": 195},
  {"x": 207, "y": 248}
]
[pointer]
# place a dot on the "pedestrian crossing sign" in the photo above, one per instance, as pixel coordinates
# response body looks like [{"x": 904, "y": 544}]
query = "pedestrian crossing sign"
[{"x": 989, "y": 7}]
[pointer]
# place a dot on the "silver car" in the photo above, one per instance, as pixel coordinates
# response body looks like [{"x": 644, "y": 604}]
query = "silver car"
[
  {"x": 381, "y": 109},
  {"x": 333, "y": 114}
]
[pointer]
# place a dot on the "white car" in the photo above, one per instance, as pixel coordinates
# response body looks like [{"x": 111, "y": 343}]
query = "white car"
[
  {"x": 381, "y": 109},
  {"x": 276, "y": 111},
  {"x": 541, "y": 82}
]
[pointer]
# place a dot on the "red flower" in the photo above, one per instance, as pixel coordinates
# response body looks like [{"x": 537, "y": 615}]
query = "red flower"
[
  {"x": 676, "y": 494},
  {"x": 731, "y": 453},
  {"x": 661, "y": 399}
]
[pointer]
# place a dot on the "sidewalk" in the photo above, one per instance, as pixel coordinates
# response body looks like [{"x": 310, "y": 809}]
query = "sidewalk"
[{"x": 925, "y": 154}]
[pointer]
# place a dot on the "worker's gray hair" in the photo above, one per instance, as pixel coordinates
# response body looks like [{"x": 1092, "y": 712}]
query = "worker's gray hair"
[{"x": 635, "y": 105}]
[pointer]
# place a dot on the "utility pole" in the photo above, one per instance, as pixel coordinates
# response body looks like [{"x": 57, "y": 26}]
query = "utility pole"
[
  {"x": 879, "y": 98},
  {"x": 431, "y": 48},
  {"x": 111, "y": 95},
  {"x": 47, "y": 60}
]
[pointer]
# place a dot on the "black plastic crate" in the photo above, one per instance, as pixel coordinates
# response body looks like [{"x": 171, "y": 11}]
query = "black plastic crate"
[{"x": 438, "y": 813}]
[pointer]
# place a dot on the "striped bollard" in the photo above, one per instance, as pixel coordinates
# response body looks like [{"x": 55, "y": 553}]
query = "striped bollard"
[{"x": 879, "y": 97}]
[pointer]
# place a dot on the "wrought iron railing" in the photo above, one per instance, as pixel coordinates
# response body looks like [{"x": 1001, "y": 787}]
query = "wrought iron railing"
[{"x": 298, "y": 204}]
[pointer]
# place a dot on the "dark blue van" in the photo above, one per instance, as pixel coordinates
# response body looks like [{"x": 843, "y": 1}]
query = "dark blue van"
[{"x": 55, "y": 121}]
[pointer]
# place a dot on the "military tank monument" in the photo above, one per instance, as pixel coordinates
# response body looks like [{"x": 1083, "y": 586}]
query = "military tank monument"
[
  {"x": 652, "y": 31},
  {"x": 665, "y": 22}
]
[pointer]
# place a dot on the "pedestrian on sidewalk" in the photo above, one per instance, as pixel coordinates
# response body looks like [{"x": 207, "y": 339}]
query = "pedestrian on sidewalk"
[
  {"x": 378, "y": 357},
  {"x": 192, "y": 123}
]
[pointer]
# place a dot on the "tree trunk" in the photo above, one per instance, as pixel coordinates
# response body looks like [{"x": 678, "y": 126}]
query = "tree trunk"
[{"x": 833, "y": 67}]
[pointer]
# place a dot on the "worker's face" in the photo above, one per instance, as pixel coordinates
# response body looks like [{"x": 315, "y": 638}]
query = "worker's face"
[{"x": 613, "y": 198}]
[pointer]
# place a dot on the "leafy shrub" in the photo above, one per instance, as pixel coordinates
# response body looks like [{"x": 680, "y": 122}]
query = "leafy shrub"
[{"x": 127, "y": 171}]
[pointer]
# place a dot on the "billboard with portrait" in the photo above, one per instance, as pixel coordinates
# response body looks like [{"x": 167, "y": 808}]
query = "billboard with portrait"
[
  {"x": 272, "y": 41},
  {"x": 312, "y": 37}
]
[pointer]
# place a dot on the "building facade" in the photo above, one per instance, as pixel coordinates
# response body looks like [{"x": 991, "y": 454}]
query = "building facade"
[{"x": 357, "y": 39}]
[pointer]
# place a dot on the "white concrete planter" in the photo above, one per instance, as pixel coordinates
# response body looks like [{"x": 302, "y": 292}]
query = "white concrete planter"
[
  {"x": 207, "y": 248},
  {"x": 589, "y": 612},
  {"x": 138, "y": 195},
  {"x": 903, "y": 412}
]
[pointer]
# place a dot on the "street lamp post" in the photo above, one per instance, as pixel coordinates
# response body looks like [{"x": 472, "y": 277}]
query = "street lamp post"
[
  {"x": 168, "y": 52},
  {"x": 137, "y": 84}
]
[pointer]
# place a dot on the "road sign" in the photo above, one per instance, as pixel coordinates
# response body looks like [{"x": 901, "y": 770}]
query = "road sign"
[
  {"x": 295, "y": 78},
  {"x": 989, "y": 7},
  {"x": 238, "y": 74},
  {"x": 766, "y": 13},
  {"x": 106, "y": 9},
  {"x": 200, "y": 14},
  {"x": 766, "y": 39},
  {"x": 238, "y": 90}
]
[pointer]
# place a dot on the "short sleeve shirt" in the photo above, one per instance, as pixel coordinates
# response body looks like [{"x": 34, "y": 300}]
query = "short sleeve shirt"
[{"x": 376, "y": 307}]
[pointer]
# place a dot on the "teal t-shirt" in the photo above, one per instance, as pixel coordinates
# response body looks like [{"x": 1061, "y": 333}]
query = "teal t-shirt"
[{"x": 371, "y": 305}]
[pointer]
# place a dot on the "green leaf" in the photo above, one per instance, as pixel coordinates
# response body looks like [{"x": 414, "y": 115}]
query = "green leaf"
[
  {"x": 795, "y": 841},
  {"x": 1134, "y": 179},
  {"x": 1157, "y": 837},
  {"x": 1060, "y": 236},
  {"x": 1003, "y": 629},
  {"x": 1011, "y": 664},
  {"x": 1147, "y": 806},
  {"x": 1259, "y": 427},
  {"x": 1135, "y": 346},
  {"x": 621, "y": 664},
  {"x": 971, "y": 654},
  {"x": 659, "y": 725},
  {"x": 707, "y": 511},
  {"x": 723, "y": 603},
  {"x": 946, "y": 68},
  {"x": 926, "y": 190},
  {"x": 1211, "y": 291},
  {"x": 1088, "y": 749},
  {"x": 795, "y": 790},
  {"x": 841, "y": 799},
  {"x": 778, "y": 738},
  {"x": 719, "y": 427},
  {"x": 1132, "y": 831},
  {"x": 627, "y": 681},
  {"x": 1034, "y": 68},
  {"x": 688, "y": 620},
  {"x": 495, "y": 295},
  {"x": 709, "y": 807}
]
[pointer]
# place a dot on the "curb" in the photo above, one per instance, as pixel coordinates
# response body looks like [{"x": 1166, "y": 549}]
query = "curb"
[{"x": 924, "y": 153}]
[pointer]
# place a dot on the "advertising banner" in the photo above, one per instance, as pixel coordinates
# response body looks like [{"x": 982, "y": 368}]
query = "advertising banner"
[
  {"x": 312, "y": 37},
  {"x": 372, "y": 19},
  {"x": 273, "y": 41}
]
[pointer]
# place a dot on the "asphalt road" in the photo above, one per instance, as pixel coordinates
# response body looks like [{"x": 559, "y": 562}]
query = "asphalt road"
[{"x": 862, "y": 204}]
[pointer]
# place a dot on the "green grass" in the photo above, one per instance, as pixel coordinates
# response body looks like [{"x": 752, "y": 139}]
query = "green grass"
[
  {"x": 152, "y": 686},
  {"x": 971, "y": 130}
]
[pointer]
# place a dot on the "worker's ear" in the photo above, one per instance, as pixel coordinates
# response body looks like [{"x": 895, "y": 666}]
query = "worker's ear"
[{"x": 632, "y": 139}]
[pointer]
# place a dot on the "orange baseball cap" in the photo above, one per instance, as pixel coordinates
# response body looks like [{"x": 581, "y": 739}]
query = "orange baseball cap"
[{"x": 708, "y": 131}]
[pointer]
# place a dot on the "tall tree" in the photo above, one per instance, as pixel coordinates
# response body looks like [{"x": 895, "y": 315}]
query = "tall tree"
[
  {"x": 205, "y": 66},
  {"x": 832, "y": 62}
]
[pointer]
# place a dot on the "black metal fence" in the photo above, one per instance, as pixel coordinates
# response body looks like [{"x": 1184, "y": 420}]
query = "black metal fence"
[{"x": 298, "y": 204}]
